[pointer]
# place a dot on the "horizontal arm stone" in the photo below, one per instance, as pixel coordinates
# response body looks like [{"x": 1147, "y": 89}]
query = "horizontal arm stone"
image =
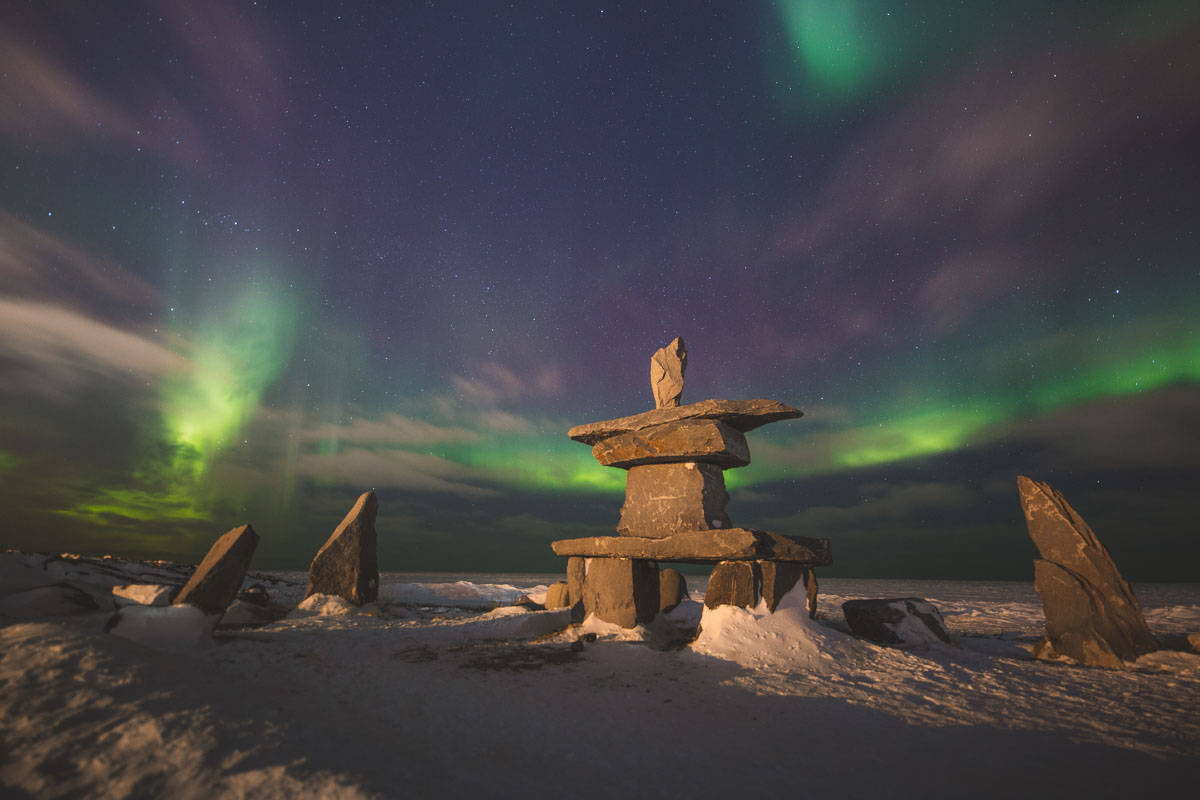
[
  {"x": 741, "y": 415},
  {"x": 703, "y": 547}
]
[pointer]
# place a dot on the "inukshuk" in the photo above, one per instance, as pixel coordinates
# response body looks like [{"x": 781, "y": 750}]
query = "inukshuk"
[{"x": 674, "y": 507}]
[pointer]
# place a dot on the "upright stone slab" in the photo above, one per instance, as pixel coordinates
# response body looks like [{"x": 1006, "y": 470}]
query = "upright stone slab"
[
  {"x": 623, "y": 591},
  {"x": 733, "y": 583},
  {"x": 1091, "y": 612},
  {"x": 663, "y": 499},
  {"x": 347, "y": 564},
  {"x": 576, "y": 572},
  {"x": 778, "y": 578},
  {"x": 667, "y": 366},
  {"x": 215, "y": 583}
]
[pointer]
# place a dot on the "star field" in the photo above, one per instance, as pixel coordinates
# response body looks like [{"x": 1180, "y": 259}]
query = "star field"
[{"x": 258, "y": 257}]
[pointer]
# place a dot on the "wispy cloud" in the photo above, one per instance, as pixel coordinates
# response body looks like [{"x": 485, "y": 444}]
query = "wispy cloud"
[
  {"x": 392, "y": 429},
  {"x": 54, "y": 350},
  {"x": 392, "y": 468}
]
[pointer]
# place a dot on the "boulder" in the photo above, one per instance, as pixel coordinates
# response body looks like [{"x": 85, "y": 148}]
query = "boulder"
[
  {"x": 1092, "y": 615},
  {"x": 733, "y": 583},
  {"x": 662, "y": 499},
  {"x": 672, "y": 589},
  {"x": 215, "y": 583},
  {"x": 557, "y": 595},
  {"x": 255, "y": 595},
  {"x": 347, "y": 565},
  {"x": 741, "y": 415},
  {"x": 702, "y": 547},
  {"x": 707, "y": 440},
  {"x": 623, "y": 591},
  {"x": 667, "y": 366},
  {"x": 906, "y": 621}
]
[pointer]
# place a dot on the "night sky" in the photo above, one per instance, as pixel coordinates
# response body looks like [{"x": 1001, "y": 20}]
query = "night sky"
[{"x": 256, "y": 258}]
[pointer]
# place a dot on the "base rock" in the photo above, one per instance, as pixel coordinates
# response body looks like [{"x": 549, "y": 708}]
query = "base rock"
[
  {"x": 672, "y": 589},
  {"x": 906, "y": 621},
  {"x": 623, "y": 591}
]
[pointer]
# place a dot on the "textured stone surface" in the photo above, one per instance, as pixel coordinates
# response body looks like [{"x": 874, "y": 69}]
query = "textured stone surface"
[
  {"x": 215, "y": 583},
  {"x": 623, "y": 591},
  {"x": 708, "y": 440},
  {"x": 810, "y": 589},
  {"x": 347, "y": 564},
  {"x": 672, "y": 589},
  {"x": 557, "y": 595},
  {"x": 703, "y": 547},
  {"x": 663, "y": 499},
  {"x": 741, "y": 415},
  {"x": 667, "y": 366},
  {"x": 777, "y": 579},
  {"x": 1091, "y": 612},
  {"x": 905, "y": 621},
  {"x": 733, "y": 583}
]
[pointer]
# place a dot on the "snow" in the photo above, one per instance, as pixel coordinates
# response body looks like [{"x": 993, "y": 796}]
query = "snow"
[
  {"x": 407, "y": 698},
  {"x": 171, "y": 628},
  {"x": 146, "y": 594}
]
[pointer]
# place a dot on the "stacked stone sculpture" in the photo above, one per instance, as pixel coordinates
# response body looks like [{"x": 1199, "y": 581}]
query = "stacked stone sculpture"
[{"x": 674, "y": 507}]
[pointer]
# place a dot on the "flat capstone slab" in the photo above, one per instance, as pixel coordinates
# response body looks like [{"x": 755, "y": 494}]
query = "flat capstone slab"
[
  {"x": 703, "y": 547},
  {"x": 708, "y": 440},
  {"x": 741, "y": 415}
]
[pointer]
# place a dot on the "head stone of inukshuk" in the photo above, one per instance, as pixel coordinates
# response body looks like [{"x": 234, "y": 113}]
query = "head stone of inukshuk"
[{"x": 666, "y": 373}]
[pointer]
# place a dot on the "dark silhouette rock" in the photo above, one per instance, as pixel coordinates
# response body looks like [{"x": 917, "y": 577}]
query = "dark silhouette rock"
[
  {"x": 215, "y": 583},
  {"x": 667, "y": 366},
  {"x": 347, "y": 565},
  {"x": 557, "y": 595},
  {"x": 662, "y": 499},
  {"x": 623, "y": 591},
  {"x": 576, "y": 571},
  {"x": 672, "y": 589},
  {"x": 707, "y": 440},
  {"x": 255, "y": 595},
  {"x": 810, "y": 588},
  {"x": 1092, "y": 615},
  {"x": 905, "y": 621}
]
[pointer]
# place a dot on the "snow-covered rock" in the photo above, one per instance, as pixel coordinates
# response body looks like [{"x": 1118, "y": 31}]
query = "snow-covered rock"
[
  {"x": 55, "y": 600},
  {"x": 323, "y": 605},
  {"x": 172, "y": 628},
  {"x": 905, "y": 621},
  {"x": 144, "y": 594}
]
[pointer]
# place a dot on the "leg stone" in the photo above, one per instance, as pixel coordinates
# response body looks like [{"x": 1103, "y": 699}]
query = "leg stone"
[
  {"x": 576, "y": 568},
  {"x": 623, "y": 591},
  {"x": 734, "y": 583},
  {"x": 778, "y": 578}
]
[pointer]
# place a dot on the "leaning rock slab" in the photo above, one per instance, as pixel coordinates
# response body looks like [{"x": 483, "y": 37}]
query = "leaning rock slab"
[
  {"x": 708, "y": 440},
  {"x": 215, "y": 583},
  {"x": 347, "y": 564},
  {"x": 906, "y": 621},
  {"x": 662, "y": 499},
  {"x": 1092, "y": 615}
]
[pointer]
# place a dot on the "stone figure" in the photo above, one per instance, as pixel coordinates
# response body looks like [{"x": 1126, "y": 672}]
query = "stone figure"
[{"x": 667, "y": 366}]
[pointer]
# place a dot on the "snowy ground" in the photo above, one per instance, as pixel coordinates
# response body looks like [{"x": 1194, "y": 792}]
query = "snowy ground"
[{"x": 432, "y": 690}]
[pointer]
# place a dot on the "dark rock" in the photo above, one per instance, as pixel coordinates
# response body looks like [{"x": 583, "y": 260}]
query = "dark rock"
[
  {"x": 1092, "y": 615},
  {"x": 777, "y": 579},
  {"x": 347, "y": 565},
  {"x": 672, "y": 589},
  {"x": 557, "y": 595},
  {"x": 525, "y": 601},
  {"x": 623, "y": 591},
  {"x": 905, "y": 621},
  {"x": 667, "y": 366},
  {"x": 741, "y": 415},
  {"x": 1181, "y": 642},
  {"x": 577, "y": 646},
  {"x": 702, "y": 547},
  {"x": 256, "y": 595},
  {"x": 663, "y": 499},
  {"x": 810, "y": 587},
  {"x": 733, "y": 583},
  {"x": 215, "y": 583},
  {"x": 576, "y": 569},
  {"x": 706, "y": 440}
]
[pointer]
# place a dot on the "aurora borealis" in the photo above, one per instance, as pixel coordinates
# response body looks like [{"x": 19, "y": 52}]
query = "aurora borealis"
[{"x": 257, "y": 257}]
